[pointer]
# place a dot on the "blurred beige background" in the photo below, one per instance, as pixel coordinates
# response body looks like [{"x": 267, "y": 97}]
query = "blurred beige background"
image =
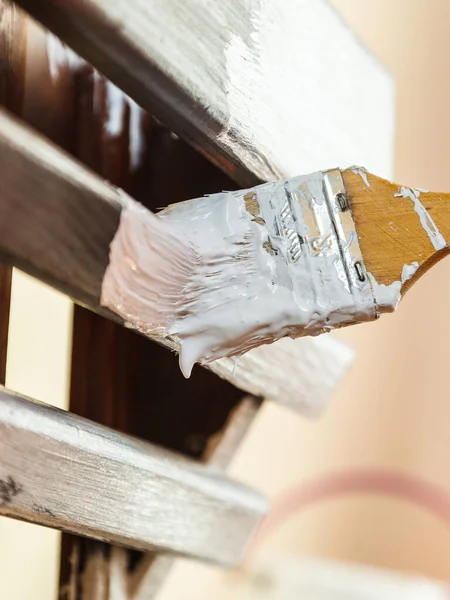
[{"x": 392, "y": 410}]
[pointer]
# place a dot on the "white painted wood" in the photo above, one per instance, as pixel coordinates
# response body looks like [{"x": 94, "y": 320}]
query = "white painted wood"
[
  {"x": 301, "y": 374},
  {"x": 57, "y": 220},
  {"x": 146, "y": 582},
  {"x": 264, "y": 88},
  {"x": 65, "y": 472},
  {"x": 109, "y": 578},
  {"x": 291, "y": 578}
]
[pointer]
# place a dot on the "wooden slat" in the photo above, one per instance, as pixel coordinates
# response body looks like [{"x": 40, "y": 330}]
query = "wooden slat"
[
  {"x": 60, "y": 470},
  {"x": 57, "y": 220},
  {"x": 264, "y": 89},
  {"x": 144, "y": 580}
]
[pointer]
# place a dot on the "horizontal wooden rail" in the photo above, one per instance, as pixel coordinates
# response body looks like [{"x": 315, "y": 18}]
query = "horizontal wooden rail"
[
  {"x": 57, "y": 220},
  {"x": 264, "y": 89},
  {"x": 62, "y": 471}
]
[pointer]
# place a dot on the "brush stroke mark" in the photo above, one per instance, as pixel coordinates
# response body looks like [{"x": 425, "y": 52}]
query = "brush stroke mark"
[{"x": 436, "y": 238}]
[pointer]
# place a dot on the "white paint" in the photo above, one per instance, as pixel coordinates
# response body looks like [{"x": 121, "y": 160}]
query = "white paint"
[
  {"x": 363, "y": 174},
  {"x": 388, "y": 296},
  {"x": 302, "y": 374},
  {"x": 436, "y": 238},
  {"x": 68, "y": 473},
  {"x": 203, "y": 274},
  {"x": 288, "y": 84},
  {"x": 292, "y": 578},
  {"x": 294, "y": 62},
  {"x": 409, "y": 271}
]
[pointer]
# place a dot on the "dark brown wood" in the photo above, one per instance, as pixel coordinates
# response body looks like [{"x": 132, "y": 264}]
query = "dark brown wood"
[
  {"x": 13, "y": 38},
  {"x": 5, "y": 303}
]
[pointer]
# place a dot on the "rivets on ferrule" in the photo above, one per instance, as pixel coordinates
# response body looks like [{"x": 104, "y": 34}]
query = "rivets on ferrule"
[
  {"x": 342, "y": 202},
  {"x": 360, "y": 271}
]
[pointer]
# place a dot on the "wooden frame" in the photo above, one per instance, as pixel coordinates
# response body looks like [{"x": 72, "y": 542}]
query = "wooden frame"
[
  {"x": 65, "y": 472},
  {"x": 222, "y": 75},
  {"x": 57, "y": 220},
  {"x": 338, "y": 111},
  {"x": 218, "y": 76}
]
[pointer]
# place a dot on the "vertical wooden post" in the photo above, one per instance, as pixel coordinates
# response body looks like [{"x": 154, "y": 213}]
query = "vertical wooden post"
[
  {"x": 118, "y": 378},
  {"x": 13, "y": 39}
]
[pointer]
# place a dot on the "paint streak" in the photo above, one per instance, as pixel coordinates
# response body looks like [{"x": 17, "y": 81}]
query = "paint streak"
[
  {"x": 272, "y": 119},
  {"x": 436, "y": 238},
  {"x": 388, "y": 297},
  {"x": 362, "y": 173}
]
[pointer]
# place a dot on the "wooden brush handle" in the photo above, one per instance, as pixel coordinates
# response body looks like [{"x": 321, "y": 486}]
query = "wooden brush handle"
[{"x": 397, "y": 226}]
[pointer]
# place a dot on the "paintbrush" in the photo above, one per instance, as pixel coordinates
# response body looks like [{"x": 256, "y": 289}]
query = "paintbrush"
[{"x": 228, "y": 272}]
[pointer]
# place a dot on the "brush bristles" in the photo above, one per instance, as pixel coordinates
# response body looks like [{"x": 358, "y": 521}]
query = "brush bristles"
[
  {"x": 151, "y": 266},
  {"x": 229, "y": 272},
  {"x": 169, "y": 277}
]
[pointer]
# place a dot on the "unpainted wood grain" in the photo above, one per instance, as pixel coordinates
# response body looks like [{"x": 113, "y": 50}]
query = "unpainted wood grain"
[
  {"x": 264, "y": 89},
  {"x": 65, "y": 472},
  {"x": 57, "y": 220},
  {"x": 390, "y": 230}
]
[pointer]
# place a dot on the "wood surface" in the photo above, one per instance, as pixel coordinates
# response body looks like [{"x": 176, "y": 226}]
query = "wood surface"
[
  {"x": 57, "y": 220},
  {"x": 13, "y": 37},
  {"x": 390, "y": 230},
  {"x": 206, "y": 108},
  {"x": 143, "y": 392},
  {"x": 101, "y": 572},
  {"x": 263, "y": 89},
  {"x": 65, "y": 472}
]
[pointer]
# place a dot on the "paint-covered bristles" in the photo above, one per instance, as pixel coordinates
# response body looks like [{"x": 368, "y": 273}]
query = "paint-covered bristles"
[
  {"x": 152, "y": 265},
  {"x": 226, "y": 273}
]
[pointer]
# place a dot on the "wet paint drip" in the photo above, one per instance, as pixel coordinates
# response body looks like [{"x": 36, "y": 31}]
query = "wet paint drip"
[
  {"x": 436, "y": 238},
  {"x": 250, "y": 282}
]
